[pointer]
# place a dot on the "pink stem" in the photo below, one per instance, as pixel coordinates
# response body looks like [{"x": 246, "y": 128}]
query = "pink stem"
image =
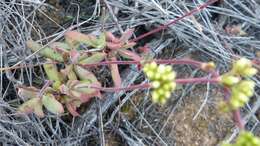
[
  {"x": 171, "y": 61},
  {"x": 226, "y": 92},
  {"x": 236, "y": 114},
  {"x": 202, "y": 80},
  {"x": 256, "y": 61},
  {"x": 237, "y": 119},
  {"x": 147, "y": 85},
  {"x": 162, "y": 27}
]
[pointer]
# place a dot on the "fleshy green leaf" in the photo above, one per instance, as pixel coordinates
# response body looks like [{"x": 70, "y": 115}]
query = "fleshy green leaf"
[
  {"x": 81, "y": 90},
  {"x": 28, "y": 93},
  {"x": 114, "y": 46},
  {"x": 51, "y": 104},
  {"x": 72, "y": 109},
  {"x": 69, "y": 72},
  {"x": 45, "y": 52},
  {"x": 74, "y": 38},
  {"x": 53, "y": 74},
  {"x": 100, "y": 42},
  {"x": 74, "y": 56},
  {"x": 33, "y": 105},
  {"x": 83, "y": 86},
  {"x": 51, "y": 71},
  {"x": 95, "y": 58},
  {"x": 60, "y": 45},
  {"x": 84, "y": 74}
]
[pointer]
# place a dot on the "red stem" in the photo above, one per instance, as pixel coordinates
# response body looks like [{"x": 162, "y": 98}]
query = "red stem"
[
  {"x": 147, "y": 85},
  {"x": 172, "y": 61},
  {"x": 226, "y": 92},
  {"x": 162, "y": 27},
  {"x": 238, "y": 120},
  {"x": 202, "y": 80},
  {"x": 236, "y": 114},
  {"x": 256, "y": 61}
]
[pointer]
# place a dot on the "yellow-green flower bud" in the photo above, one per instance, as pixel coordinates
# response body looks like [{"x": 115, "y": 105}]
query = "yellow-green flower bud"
[
  {"x": 167, "y": 87},
  {"x": 173, "y": 85},
  {"x": 168, "y": 69},
  {"x": 153, "y": 65},
  {"x": 167, "y": 94},
  {"x": 171, "y": 76},
  {"x": 235, "y": 103},
  {"x": 249, "y": 72},
  {"x": 156, "y": 84},
  {"x": 247, "y": 87},
  {"x": 161, "y": 69},
  {"x": 160, "y": 91},
  {"x": 229, "y": 80},
  {"x": 238, "y": 99},
  {"x": 157, "y": 76},
  {"x": 242, "y": 98},
  {"x": 150, "y": 74},
  {"x": 208, "y": 66},
  {"x": 155, "y": 97},
  {"x": 241, "y": 64},
  {"x": 244, "y": 68},
  {"x": 163, "y": 100}
]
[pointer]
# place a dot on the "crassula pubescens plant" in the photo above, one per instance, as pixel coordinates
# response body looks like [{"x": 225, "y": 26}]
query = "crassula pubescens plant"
[
  {"x": 71, "y": 85},
  {"x": 74, "y": 83}
]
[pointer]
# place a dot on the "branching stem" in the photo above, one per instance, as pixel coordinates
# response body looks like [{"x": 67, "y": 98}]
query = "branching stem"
[
  {"x": 170, "y": 61},
  {"x": 201, "y": 80}
]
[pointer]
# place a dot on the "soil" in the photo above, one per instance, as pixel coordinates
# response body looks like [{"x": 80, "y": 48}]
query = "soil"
[{"x": 208, "y": 129}]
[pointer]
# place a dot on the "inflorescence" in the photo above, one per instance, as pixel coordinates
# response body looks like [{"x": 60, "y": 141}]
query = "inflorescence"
[
  {"x": 237, "y": 80},
  {"x": 162, "y": 81}
]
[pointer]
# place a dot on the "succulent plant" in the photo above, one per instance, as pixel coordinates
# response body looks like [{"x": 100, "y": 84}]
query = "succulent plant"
[{"x": 73, "y": 84}]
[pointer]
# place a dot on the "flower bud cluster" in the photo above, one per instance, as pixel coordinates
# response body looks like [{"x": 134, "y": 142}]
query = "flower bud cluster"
[
  {"x": 244, "y": 68},
  {"x": 162, "y": 81},
  {"x": 241, "y": 89},
  {"x": 241, "y": 93}
]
